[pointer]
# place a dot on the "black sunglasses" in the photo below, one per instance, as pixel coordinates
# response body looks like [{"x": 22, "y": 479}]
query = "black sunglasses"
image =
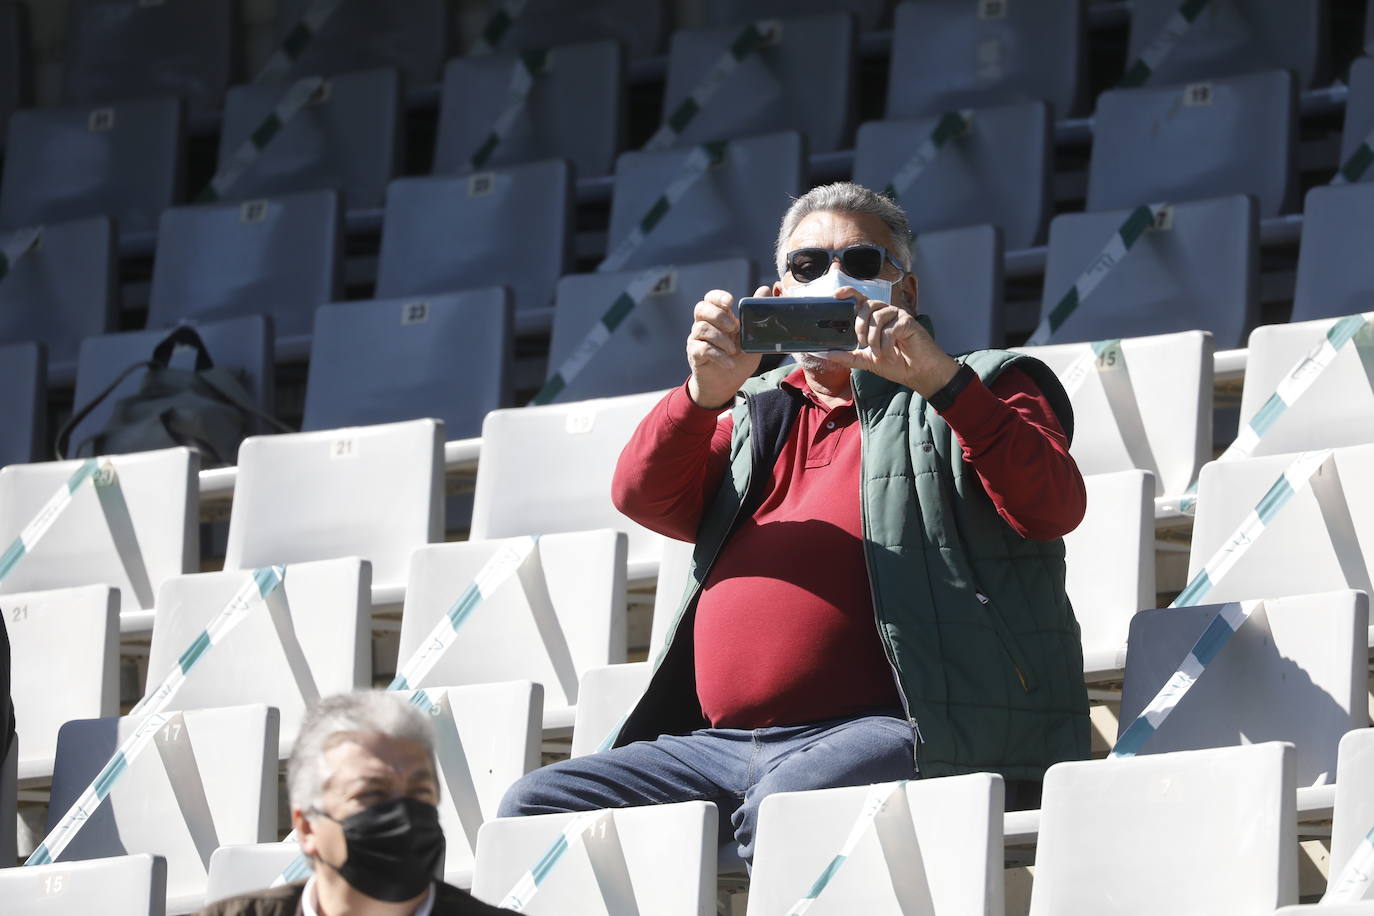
[{"x": 862, "y": 262}]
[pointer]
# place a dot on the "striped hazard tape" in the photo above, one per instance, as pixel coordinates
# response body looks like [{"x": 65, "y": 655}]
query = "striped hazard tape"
[
  {"x": 885, "y": 804},
  {"x": 1120, "y": 245},
  {"x": 47, "y": 516},
  {"x": 1354, "y": 168},
  {"x": 952, "y": 125},
  {"x": 1355, "y": 880},
  {"x": 297, "y": 39},
  {"x": 258, "y": 588},
  {"x": 17, "y": 244},
  {"x": 593, "y": 831},
  {"x": 295, "y": 99},
  {"x": 696, "y": 164},
  {"x": 528, "y": 68},
  {"x": 750, "y": 39},
  {"x": 1163, "y": 44},
  {"x": 498, "y": 26}
]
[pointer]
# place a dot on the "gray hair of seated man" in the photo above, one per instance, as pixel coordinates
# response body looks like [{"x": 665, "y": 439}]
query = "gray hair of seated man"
[
  {"x": 846, "y": 197},
  {"x": 366, "y": 712}
]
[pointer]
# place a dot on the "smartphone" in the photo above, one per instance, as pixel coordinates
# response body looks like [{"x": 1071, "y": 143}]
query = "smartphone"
[{"x": 801, "y": 324}]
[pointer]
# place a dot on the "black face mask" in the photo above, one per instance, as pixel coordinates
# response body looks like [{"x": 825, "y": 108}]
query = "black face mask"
[{"x": 394, "y": 849}]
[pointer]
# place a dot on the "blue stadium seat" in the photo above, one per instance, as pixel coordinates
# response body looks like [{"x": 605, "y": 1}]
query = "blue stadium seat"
[
  {"x": 574, "y": 110},
  {"x": 1202, "y": 273},
  {"x": 62, "y": 289},
  {"x": 349, "y": 140},
  {"x": 1224, "y": 136},
  {"x": 869, "y": 13},
  {"x": 410, "y": 35},
  {"x": 949, "y": 54},
  {"x": 646, "y": 351},
  {"x": 123, "y": 161},
  {"x": 278, "y": 256},
  {"x": 125, "y": 49},
  {"x": 1335, "y": 271},
  {"x": 959, "y": 272},
  {"x": 242, "y": 344},
  {"x": 998, "y": 172},
  {"x": 446, "y": 356},
  {"x": 731, "y": 212},
  {"x": 638, "y": 25},
  {"x": 1235, "y": 37},
  {"x": 511, "y": 227},
  {"x": 16, "y": 62},
  {"x": 23, "y": 412},
  {"x": 802, "y": 81},
  {"x": 1359, "y": 110}
]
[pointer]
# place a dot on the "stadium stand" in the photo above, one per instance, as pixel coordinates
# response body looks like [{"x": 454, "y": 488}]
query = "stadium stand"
[
  {"x": 347, "y": 138},
  {"x": 1231, "y": 38},
  {"x": 122, "y": 160},
  {"x": 23, "y": 415},
  {"x": 800, "y": 77},
  {"x": 242, "y": 345},
  {"x": 657, "y": 859},
  {"x": 66, "y": 636},
  {"x": 644, "y": 353},
  {"x": 1234, "y": 135},
  {"x": 1296, "y": 672},
  {"x": 1334, "y": 277},
  {"x": 370, "y": 491},
  {"x": 409, "y": 35},
  {"x": 511, "y": 227},
  {"x": 996, "y": 171},
  {"x": 295, "y": 243},
  {"x": 208, "y": 777},
  {"x": 132, "y": 885},
  {"x": 935, "y": 848},
  {"x": 16, "y": 62},
  {"x": 542, "y": 94},
  {"x": 1103, "y": 821},
  {"x": 563, "y": 615},
  {"x": 133, "y": 543},
  {"x": 1199, "y": 268},
  {"x": 960, "y": 280},
  {"x": 442, "y": 356},
  {"x": 125, "y": 49},
  {"x": 950, "y": 54}
]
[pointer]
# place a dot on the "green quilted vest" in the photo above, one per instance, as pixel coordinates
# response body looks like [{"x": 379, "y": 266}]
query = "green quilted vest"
[{"x": 973, "y": 617}]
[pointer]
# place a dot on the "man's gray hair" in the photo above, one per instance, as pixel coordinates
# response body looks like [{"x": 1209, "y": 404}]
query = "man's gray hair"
[
  {"x": 847, "y": 197},
  {"x": 364, "y": 712}
]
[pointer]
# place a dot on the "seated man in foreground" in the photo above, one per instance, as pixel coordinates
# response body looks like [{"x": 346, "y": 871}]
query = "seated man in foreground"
[
  {"x": 877, "y": 591},
  {"x": 364, "y": 788}
]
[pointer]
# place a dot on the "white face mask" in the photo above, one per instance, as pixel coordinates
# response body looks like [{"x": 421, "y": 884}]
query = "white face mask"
[{"x": 834, "y": 278}]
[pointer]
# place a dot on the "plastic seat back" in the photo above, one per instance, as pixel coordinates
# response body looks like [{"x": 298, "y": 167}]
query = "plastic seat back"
[
  {"x": 1335, "y": 278},
  {"x": 410, "y": 35},
  {"x": 134, "y": 885}
]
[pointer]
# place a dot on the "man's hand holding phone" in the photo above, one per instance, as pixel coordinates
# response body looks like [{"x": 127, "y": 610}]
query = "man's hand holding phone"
[
  {"x": 894, "y": 345},
  {"x": 719, "y": 365}
]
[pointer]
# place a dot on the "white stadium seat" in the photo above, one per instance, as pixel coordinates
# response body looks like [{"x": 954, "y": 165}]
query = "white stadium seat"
[
  {"x": 133, "y": 885},
  {"x": 1194, "y": 833},
  {"x": 370, "y": 491},
  {"x": 247, "y": 867},
  {"x": 551, "y": 638},
  {"x": 665, "y": 853},
  {"x": 65, "y": 649},
  {"x": 1354, "y": 810},
  {"x": 605, "y": 697}
]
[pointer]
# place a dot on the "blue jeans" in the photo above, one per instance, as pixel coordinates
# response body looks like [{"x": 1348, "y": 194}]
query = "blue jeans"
[{"x": 735, "y": 768}]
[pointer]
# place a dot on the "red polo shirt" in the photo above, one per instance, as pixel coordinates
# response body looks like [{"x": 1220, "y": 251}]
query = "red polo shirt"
[{"x": 785, "y": 630}]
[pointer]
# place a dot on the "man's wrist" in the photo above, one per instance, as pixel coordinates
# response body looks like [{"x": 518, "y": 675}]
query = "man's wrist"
[{"x": 943, "y": 399}]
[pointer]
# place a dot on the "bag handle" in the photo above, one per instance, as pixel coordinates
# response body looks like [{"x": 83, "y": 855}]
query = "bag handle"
[
  {"x": 183, "y": 335},
  {"x": 64, "y": 435}
]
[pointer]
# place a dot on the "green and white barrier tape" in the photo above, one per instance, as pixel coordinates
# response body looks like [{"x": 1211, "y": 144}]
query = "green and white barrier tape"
[
  {"x": 1355, "y": 880},
  {"x": 1295, "y": 383},
  {"x": 17, "y": 244},
  {"x": 291, "y": 103},
  {"x": 262, "y": 584},
  {"x": 528, "y": 68},
  {"x": 593, "y": 831},
  {"x": 1298, "y": 476},
  {"x": 601, "y": 332},
  {"x": 1108, "y": 360},
  {"x": 498, "y": 26},
  {"x": 42, "y": 523},
  {"x": 1353, "y": 169},
  {"x": 1163, "y": 44},
  {"x": 299, "y": 37},
  {"x": 698, "y": 161},
  {"x": 1120, "y": 245},
  {"x": 951, "y": 125},
  {"x": 750, "y": 39},
  {"x": 884, "y": 801}
]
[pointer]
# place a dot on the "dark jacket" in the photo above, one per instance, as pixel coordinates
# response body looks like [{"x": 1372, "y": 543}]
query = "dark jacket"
[{"x": 286, "y": 901}]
